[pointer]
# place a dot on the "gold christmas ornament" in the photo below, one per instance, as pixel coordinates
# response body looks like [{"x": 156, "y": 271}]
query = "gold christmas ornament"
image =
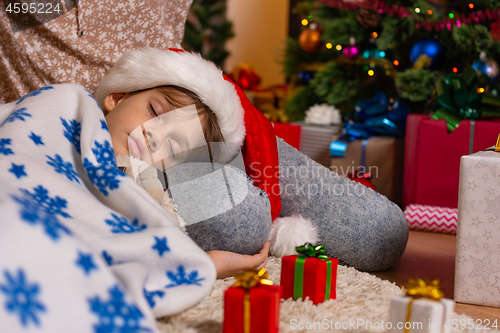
[{"x": 310, "y": 39}]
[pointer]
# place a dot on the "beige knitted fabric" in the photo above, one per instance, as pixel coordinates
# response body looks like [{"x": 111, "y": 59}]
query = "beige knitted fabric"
[{"x": 79, "y": 46}]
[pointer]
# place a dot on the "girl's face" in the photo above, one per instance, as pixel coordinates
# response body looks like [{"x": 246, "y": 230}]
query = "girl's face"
[{"x": 145, "y": 125}]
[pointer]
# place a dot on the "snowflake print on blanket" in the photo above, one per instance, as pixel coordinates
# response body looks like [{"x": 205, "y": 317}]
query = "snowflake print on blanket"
[
  {"x": 150, "y": 296},
  {"x": 65, "y": 168},
  {"x": 18, "y": 114},
  {"x": 22, "y": 298},
  {"x": 3, "y": 147},
  {"x": 34, "y": 93},
  {"x": 103, "y": 176},
  {"x": 72, "y": 132},
  {"x": 39, "y": 208},
  {"x": 122, "y": 225},
  {"x": 115, "y": 315},
  {"x": 181, "y": 278}
]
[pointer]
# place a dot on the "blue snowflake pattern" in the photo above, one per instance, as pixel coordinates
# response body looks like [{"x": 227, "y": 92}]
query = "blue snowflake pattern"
[
  {"x": 115, "y": 315},
  {"x": 22, "y": 298},
  {"x": 181, "y": 277},
  {"x": 161, "y": 245},
  {"x": 103, "y": 176},
  {"x": 36, "y": 139},
  {"x": 104, "y": 126},
  {"x": 107, "y": 257},
  {"x": 39, "y": 208},
  {"x": 3, "y": 147},
  {"x": 104, "y": 153},
  {"x": 18, "y": 114},
  {"x": 18, "y": 170},
  {"x": 85, "y": 262},
  {"x": 34, "y": 93},
  {"x": 122, "y": 225},
  {"x": 150, "y": 296},
  {"x": 72, "y": 132},
  {"x": 62, "y": 167}
]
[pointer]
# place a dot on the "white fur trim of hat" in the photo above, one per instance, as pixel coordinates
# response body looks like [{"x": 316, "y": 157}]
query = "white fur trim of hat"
[{"x": 148, "y": 68}]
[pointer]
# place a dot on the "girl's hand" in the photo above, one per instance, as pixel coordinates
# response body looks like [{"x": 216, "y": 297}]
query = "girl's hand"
[{"x": 230, "y": 263}]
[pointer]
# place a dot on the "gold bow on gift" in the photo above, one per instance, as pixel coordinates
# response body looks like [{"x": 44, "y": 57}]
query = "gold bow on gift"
[
  {"x": 251, "y": 277},
  {"x": 418, "y": 288}
]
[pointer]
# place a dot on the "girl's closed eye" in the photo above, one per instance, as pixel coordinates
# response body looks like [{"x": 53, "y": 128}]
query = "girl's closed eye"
[{"x": 152, "y": 109}]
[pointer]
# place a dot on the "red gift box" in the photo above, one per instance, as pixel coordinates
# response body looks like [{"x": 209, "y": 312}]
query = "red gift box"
[
  {"x": 288, "y": 132},
  {"x": 432, "y": 157},
  {"x": 264, "y": 309},
  {"x": 314, "y": 278}
]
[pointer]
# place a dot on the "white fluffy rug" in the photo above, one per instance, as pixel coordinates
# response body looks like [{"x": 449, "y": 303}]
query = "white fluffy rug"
[{"x": 362, "y": 299}]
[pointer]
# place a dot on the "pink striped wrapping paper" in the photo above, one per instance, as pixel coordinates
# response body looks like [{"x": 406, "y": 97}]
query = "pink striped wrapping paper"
[{"x": 431, "y": 218}]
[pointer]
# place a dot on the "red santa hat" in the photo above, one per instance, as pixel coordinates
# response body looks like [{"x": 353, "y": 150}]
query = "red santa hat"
[{"x": 240, "y": 122}]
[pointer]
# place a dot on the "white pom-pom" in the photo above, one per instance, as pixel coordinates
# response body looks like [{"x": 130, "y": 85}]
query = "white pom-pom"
[
  {"x": 289, "y": 232},
  {"x": 323, "y": 114}
]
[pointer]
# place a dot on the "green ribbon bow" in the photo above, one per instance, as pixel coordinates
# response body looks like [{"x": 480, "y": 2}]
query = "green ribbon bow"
[
  {"x": 462, "y": 96},
  {"x": 310, "y": 251}
]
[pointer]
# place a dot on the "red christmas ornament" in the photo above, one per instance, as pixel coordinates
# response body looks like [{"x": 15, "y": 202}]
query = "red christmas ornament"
[{"x": 310, "y": 39}]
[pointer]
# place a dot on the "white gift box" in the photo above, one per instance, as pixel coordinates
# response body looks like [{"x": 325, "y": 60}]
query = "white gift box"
[
  {"x": 315, "y": 141},
  {"x": 425, "y": 316},
  {"x": 477, "y": 260}
]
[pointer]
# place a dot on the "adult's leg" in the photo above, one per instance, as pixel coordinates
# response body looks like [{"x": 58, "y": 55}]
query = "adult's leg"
[{"x": 354, "y": 223}]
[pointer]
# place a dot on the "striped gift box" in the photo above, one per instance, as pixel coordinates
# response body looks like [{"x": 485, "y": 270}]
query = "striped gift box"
[
  {"x": 315, "y": 141},
  {"x": 431, "y": 218}
]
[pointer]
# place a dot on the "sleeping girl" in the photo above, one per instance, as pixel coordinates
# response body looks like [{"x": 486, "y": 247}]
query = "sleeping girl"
[{"x": 190, "y": 137}]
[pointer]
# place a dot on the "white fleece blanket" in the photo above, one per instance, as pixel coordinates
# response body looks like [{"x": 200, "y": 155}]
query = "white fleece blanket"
[{"x": 82, "y": 247}]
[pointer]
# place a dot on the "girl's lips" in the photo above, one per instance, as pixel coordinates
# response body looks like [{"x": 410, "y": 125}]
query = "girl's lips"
[{"x": 136, "y": 148}]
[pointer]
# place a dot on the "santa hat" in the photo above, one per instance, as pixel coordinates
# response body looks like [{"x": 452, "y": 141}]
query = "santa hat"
[{"x": 240, "y": 122}]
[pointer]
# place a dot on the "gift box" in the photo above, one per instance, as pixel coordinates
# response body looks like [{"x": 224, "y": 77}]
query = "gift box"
[
  {"x": 315, "y": 141},
  {"x": 383, "y": 160},
  {"x": 312, "y": 140},
  {"x": 251, "y": 307},
  {"x": 410, "y": 315},
  {"x": 290, "y": 133},
  {"x": 431, "y": 218},
  {"x": 477, "y": 260},
  {"x": 432, "y": 157},
  {"x": 311, "y": 277}
]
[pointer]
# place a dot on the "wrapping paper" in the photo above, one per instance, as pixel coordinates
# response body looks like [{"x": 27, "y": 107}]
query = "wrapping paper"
[
  {"x": 264, "y": 309},
  {"x": 477, "y": 260},
  {"x": 432, "y": 157},
  {"x": 314, "y": 278},
  {"x": 426, "y": 316},
  {"x": 384, "y": 162},
  {"x": 289, "y": 132},
  {"x": 315, "y": 141},
  {"x": 431, "y": 218}
]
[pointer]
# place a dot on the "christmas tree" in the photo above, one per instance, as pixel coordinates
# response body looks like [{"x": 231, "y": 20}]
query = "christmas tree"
[
  {"x": 207, "y": 30},
  {"x": 348, "y": 50}
]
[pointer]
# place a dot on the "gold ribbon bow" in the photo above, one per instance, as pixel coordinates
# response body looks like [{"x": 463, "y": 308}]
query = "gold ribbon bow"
[
  {"x": 251, "y": 277},
  {"x": 418, "y": 288},
  {"x": 248, "y": 279}
]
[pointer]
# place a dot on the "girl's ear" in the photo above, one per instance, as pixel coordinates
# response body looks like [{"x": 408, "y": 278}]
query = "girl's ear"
[{"x": 112, "y": 100}]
